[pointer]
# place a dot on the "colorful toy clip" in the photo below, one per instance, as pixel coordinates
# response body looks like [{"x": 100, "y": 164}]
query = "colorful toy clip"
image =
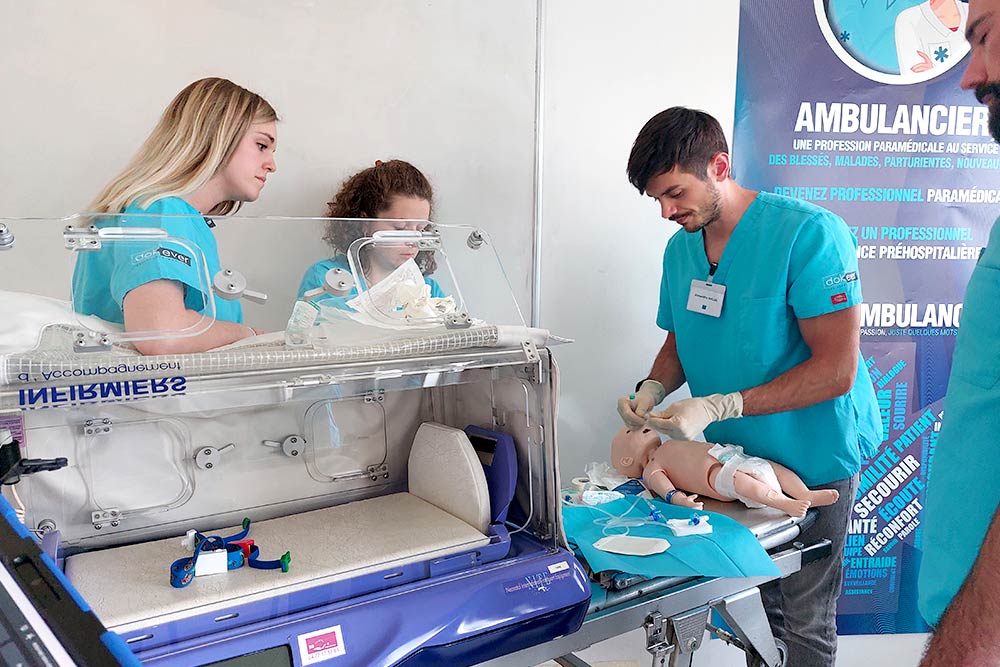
[{"x": 239, "y": 551}]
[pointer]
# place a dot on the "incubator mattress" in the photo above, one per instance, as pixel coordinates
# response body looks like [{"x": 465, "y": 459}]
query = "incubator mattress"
[{"x": 129, "y": 588}]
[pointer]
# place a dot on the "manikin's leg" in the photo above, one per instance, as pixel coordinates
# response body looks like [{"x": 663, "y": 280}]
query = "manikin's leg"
[
  {"x": 756, "y": 490},
  {"x": 793, "y": 485}
]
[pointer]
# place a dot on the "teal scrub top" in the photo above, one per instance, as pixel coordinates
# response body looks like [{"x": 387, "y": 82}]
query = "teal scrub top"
[
  {"x": 102, "y": 278},
  {"x": 314, "y": 275},
  {"x": 786, "y": 260},
  {"x": 962, "y": 489}
]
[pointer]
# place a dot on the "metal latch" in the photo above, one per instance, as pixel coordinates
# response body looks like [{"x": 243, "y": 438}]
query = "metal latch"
[
  {"x": 425, "y": 240},
  {"x": 110, "y": 515},
  {"x": 458, "y": 320},
  {"x": 81, "y": 238},
  {"x": 381, "y": 469},
  {"x": 94, "y": 427},
  {"x": 91, "y": 341},
  {"x": 678, "y": 634},
  {"x": 657, "y": 641}
]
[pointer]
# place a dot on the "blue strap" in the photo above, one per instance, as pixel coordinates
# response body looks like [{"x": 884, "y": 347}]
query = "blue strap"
[
  {"x": 182, "y": 570},
  {"x": 240, "y": 535},
  {"x": 282, "y": 563}
]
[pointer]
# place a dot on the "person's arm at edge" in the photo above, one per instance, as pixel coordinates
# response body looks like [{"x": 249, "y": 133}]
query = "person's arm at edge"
[
  {"x": 159, "y": 306},
  {"x": 830, "y": 371},
  {"x": 667, "y": 366},
  {"x": 969, "y": 631}
]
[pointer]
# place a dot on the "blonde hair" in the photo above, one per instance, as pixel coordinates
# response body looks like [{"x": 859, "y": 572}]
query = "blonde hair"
[{"x": 193, "y": 141}]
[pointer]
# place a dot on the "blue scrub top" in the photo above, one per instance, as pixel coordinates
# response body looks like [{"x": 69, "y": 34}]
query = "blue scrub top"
[
  {"x": 786, "y": 260},
  {"x": 314, "y": 275},
  {"x": 962, "y": 489},
  {"x": 102, "y": 278}
]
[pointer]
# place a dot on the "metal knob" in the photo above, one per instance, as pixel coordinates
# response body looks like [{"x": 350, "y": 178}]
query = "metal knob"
[
  {"x": 231, "y": 285},
  {"x": 209, "y": 457},
  {"x": 290, "y": 446}
]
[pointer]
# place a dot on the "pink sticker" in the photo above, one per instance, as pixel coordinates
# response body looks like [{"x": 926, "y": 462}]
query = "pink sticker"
[{"x": 320, "y": 645}]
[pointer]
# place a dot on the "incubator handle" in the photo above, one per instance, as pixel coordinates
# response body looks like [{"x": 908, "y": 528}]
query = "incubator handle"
[
  {"x": 231, "y": 285},
  {"x": 290, "y": 446},
  {"x": 209, "y": 457}
]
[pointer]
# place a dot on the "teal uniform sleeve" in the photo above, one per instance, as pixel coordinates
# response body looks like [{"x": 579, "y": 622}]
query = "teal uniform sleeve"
[
  {"x": 313, "y": 277},
  {"x": 823, "y": 271},
  {"x": 139, "y": 262},
  {"x": 436, "y": 291},
  {"x": 664, "y": 316}
]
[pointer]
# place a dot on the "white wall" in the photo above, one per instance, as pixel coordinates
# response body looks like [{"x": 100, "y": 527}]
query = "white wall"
[{"x": 608, "y": 69}]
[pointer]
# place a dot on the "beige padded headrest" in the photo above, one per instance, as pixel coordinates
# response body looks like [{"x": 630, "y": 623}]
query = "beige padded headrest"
[{"x": 445, "y": 471}]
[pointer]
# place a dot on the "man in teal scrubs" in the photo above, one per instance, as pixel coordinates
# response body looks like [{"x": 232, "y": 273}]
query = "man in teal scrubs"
[
  {"x": 958, "y": 588},
  {"x": 760, "y": 298},
  {"x": 102, "y": 278}
]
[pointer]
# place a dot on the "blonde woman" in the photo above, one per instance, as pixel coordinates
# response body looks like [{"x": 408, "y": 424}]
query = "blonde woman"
[{"x": 212, "y": 150}]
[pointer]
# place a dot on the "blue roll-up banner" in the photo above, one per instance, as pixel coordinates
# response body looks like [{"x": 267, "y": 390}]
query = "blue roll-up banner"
[{"x": 855, "y": 105}]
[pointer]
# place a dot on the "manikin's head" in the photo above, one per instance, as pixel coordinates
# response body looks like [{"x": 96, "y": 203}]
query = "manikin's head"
[{"x": 632, "y": 449}]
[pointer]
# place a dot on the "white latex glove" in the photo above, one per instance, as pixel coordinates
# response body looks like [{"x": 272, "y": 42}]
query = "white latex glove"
[
  {"x": 685, "y": 419},
  {"x": 634, "y": 409}
]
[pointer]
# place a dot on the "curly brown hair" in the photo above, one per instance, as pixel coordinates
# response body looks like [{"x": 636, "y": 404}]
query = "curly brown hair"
[{"x": 368, "y": 194}]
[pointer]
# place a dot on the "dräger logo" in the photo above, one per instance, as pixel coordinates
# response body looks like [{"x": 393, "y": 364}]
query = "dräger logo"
[
  {"x": 838, "y": 279},
  {"x": 147, "y": 255},
  {"x": 320, "y": 645}
]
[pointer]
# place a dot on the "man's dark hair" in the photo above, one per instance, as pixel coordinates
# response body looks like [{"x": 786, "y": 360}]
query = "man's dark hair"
[{"x": 677, "y": 137}]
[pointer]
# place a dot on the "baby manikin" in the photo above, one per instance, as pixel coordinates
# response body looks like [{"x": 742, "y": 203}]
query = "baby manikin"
[{"x": 679, "y": 471}]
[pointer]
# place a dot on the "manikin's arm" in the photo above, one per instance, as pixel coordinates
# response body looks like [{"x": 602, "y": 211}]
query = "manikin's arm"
[
  {"x": 159, "y": 306},
  {"x": 829, "y": 372},
  {"x": 969, "y": 631},
  {"x": 656, "y": 480}
]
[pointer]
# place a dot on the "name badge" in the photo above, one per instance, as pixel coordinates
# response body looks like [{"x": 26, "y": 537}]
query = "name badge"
[{"x": 706, "y": 298}]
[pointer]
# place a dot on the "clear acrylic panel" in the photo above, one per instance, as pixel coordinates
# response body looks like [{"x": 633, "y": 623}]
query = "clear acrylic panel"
[
  {"x": 116, "y": 283},
  {"x": 345, "y": 440},
  {"x": 134, "y": 257},
  {"x": 158, "y": 480}
]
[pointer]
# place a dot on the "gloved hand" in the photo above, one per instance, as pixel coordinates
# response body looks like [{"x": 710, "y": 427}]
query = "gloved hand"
[
  {"x": 634, "y": 409},
  {"x": 687, "y": 418}
]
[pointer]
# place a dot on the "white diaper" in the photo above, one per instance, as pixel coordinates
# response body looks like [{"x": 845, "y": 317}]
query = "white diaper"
[{"x": 733, "y": 460}]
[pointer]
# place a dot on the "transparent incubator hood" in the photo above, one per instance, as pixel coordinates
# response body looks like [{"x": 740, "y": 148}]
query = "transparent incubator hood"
[
  {"x": 140, "y": 285},
  {"x": 187, "y": 370}
]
